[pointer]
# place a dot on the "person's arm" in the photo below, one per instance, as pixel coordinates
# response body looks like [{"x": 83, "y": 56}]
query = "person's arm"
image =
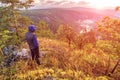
[
  {"x": 35, "y": 41},
  {"x": 24, "y": 39}
]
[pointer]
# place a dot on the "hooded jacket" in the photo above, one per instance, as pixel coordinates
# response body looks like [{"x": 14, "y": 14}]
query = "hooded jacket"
[{"x": 30, "y": 37}]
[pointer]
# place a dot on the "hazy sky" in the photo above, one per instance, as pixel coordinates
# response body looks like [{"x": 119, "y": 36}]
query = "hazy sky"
[{"x": 100, "y": 4}]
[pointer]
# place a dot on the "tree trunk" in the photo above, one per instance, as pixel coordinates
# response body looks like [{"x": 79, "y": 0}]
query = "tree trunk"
[
  {"x": 115, "y": 66},
  {"x": 108, "y": 66},
  {"x": 1, "y": 51},
  {"x": 15, "y": 22}
]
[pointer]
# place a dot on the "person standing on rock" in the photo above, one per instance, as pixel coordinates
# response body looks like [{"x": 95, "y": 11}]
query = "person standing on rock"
[{"x": 32, "y": 41}]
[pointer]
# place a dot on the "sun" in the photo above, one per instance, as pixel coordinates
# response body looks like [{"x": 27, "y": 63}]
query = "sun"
[
  {"x": 99, "y": 7},
  {"x": 103, "y": 4},
  {"x": 99, "y": 4}
]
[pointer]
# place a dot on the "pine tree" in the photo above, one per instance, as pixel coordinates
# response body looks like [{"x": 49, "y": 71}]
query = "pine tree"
[
  {"x": 10, "y": 18},
  {"x": 43, "y": 30}
]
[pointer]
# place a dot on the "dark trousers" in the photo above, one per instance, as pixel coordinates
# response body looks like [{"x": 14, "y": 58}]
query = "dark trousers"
[{"x": 35, "y": 55}]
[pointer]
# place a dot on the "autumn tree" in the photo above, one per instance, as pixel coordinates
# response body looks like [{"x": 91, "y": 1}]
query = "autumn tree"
[
  {"x": 109, "y": 42},
  {"x": 85, "y": 38},
  {"x": 109, "y": 30},
  {"x": 66, "y": 33},
  {"x": 117, "y": 8}
]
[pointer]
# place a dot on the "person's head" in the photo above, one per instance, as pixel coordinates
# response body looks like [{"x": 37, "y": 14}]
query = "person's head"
[{"x": 31, "y": 28}]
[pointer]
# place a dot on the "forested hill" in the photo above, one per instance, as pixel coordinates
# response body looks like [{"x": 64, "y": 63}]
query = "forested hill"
[
  {"x": 75, "y": 17},
  {"x": 66, "y": 54}
]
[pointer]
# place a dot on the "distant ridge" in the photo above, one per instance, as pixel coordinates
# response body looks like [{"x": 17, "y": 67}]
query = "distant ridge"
[{"x": 56, "y": 16}]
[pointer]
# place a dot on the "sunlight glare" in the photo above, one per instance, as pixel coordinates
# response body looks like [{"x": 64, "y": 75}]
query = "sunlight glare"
[{"x": 102, "y": 4}]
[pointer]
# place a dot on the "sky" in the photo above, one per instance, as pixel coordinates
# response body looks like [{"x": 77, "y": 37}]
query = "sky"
[{"x": 99, "y": 4}]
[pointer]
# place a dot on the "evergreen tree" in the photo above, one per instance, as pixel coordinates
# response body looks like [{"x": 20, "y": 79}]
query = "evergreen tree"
[
  {"x": 12, "y": 13},
  {"x": 43, "y": 30}
]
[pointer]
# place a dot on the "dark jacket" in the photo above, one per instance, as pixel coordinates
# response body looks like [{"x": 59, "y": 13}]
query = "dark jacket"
[{"x": 30, "y": 37}]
